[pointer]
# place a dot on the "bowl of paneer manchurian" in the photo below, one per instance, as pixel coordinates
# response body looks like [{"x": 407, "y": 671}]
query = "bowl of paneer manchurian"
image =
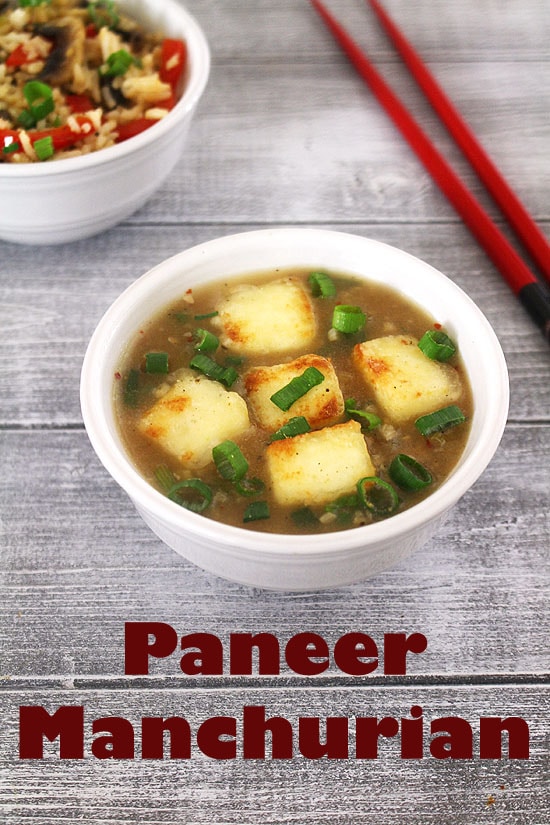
[{"x": 294, "y": 408}]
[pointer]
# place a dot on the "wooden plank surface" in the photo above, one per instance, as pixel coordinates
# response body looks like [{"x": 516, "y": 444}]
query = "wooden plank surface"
[{"x": 286, "y": 134}]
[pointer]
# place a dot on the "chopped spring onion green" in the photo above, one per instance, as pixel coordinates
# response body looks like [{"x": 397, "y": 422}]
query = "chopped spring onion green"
[
  {"x": 11, "y": 147},
  {"x": 131, "y": 389},
  {"x": 234, "y": 361},
  {"x": 192, "y": 493},
  {"x": 117, "y": 64},
  {"x": 165, "y": 477},
  {"x": 344, "y": 507},
  {"x": 437, "y": 345},
  {"x": 304, "y": 517},
  {"x": 377, "y": 496},
  {"x": 44, "y": 148},
  {"x": 229, "y": 460},
  {"x": 39, "y": 96},
  {"x": 296, "y": 388},
  {"x": 103, "y": 13},
  {"x": 26, "y": 3},
  {"x": 294, "y": 426},
  {"x": 206, "y": 341},
  {"x": 368, "y": 420},
  {"x": 440, "y": 420},
  {"x": 249, "y": 486},
  {"x": 408, "y": 473},
  {"x": 321, "y": 284},
  {"x": 255, "y": 511},
  {"x": 348, "y": 319},
  {"x": 156, "y": 362},
  {"x": 206, "y": 315},
  {"x": 225, "y": 375}
]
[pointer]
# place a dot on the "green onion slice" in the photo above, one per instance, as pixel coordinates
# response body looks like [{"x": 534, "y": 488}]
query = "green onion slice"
[
  {"x": 255, "y": 511},
  {"x": 39, "y": 96},
  {"x": 206, "y": 341},
  {"x": 103, "y": 13},
  {"x": 304, "y": 517},
  {"x": 156, "y": 362},
  {"x": 294, "y": 426},
  {"x": 322, "y": 285},
  {"x": 344, "y": 507},
  {"x": 203, "y": 363},
  {"x": 377, "y": 496},
  {"x": 44, "y": 148},
  {"x": 408, "y": 473},
  {"x": 347, "y": 318},
  {"x": 229, "y": 460},
  {"x": 206, "y": 315},
  {"x": 437, "y": 345},
  {"x": 131, "y": 389},
  {"x": 26, "y": 119},
  {"x": 368, "y": 420},
  {"x": 117, "y": 64},
  {"x": 296, "y": 388},
  {"x": 440, "y": 420},
  {"x": 193, "y": 494},
  {"x": 11, "y": 147},
  {"x": 165, "y": 477},
  {"x": 249, "y": 486}
]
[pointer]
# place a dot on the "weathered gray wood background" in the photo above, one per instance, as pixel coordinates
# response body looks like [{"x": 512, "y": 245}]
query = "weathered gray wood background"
[{"x": 286, "y": 134}]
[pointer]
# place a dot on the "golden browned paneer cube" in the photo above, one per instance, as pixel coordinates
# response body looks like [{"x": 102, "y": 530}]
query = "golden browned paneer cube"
[
  {"x": 269, "y": 318},
  {"x": 319, "y": 466},
  {"x": 193, "y": 416},
  {"x": 405, "y": 382},
  {"x": 321, "y": 405}
]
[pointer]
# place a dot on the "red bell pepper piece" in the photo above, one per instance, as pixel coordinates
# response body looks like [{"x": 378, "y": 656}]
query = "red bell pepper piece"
[
  {"x": 133, "y": 127},
  {"x": 18, "y": 57},
  {"x": 79, "y": 103},
  {"x": 173, "y": 57}
]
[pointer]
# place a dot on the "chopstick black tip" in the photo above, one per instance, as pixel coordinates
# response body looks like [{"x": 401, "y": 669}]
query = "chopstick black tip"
[{"x": 536, "y": 300}]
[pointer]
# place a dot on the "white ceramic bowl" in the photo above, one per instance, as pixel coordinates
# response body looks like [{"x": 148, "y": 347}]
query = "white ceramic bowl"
[
  {"x": 295, "y": 562},
  {"x": 72, "y": 198}
]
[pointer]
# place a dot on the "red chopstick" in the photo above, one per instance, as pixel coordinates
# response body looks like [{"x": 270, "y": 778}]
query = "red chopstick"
[
  {"x": 511, "y": 206},
  {"x": 519, "y": 277}
]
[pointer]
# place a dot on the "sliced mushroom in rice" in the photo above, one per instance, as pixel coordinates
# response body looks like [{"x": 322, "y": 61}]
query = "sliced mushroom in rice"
[{"x": 68, "y": 38}]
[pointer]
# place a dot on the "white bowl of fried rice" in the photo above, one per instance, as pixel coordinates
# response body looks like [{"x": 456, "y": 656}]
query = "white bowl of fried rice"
[{"x": 96, "y": 101}]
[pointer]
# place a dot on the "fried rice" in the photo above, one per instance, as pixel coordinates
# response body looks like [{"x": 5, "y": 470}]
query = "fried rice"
[{"x": 76, "y": 77}]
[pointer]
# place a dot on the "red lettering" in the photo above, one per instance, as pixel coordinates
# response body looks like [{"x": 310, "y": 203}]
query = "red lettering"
[
  {"x": 209, "y": 737},
  {"x": 241, "y": 646},
  {"x": 335, "y": 745},
  {"x": 302, "y": 649},
  {"x": 368, "y": 730},
  {"x": 255, "y": 727},
  {"x": 138, "y": 648},
  {"x": 412, "y": 746},
  {"x": 490, "y": 737},
  {"x": 119, "y": 744},
  {"x": 207, "y": 660},
  {"x": 67, "y": 723},
  {"x": 351, "y": 650},
  {"x": 457, "y": 744},
  {"x": 396, "y": 647},
  {"x": 152, "y": 737}
]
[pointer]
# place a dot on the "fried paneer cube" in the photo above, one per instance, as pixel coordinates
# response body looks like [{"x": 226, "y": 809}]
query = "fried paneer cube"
[
  {"x": 321, "y": 405},
  {"x": 405, "y": 382},
  {"x": 269, "y": 318},
  {"x": 193, "y": 416},
  {"x": 319, "y": 466}
]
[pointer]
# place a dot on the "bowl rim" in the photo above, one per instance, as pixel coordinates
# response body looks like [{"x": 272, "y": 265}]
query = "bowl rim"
[
  {"x": 200, "y": 60},
  {"x": 112, "y": 454}
]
